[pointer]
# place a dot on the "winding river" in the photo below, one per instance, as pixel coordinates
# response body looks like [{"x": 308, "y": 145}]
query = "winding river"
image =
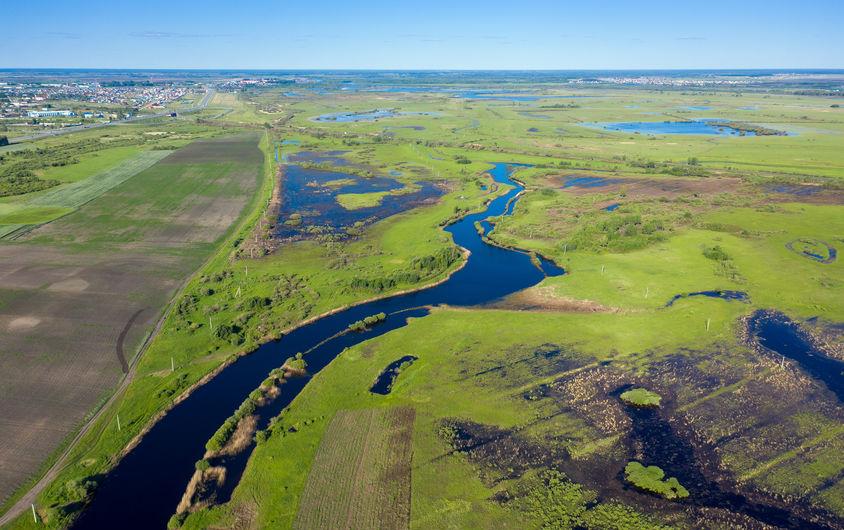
[{"x": 143, "y": 490}]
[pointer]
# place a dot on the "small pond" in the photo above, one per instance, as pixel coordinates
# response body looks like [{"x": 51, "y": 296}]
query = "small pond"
[
  {"x": 309, "y": 204},
  {"x": 700, "y": 126},
  {"x": 384, "y": 384},
  {"x": 370, "y": 115}
]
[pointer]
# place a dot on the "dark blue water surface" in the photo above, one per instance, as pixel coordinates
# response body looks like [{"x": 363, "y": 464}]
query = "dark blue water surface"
[
  {"x": 312, "y": 194},
  {"x": 783, "y": 336},
  {"x": 384, "y": 384},
  {"x": 740, "y": 296},
  {"x": 145, "y": 487}
]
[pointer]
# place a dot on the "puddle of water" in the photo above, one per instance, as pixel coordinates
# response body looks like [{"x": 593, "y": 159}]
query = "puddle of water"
[
  {"x": 728, "y": 295},
  {"x": 696, "y": 107},
  {"x": 813, "y": 249},
  {"x": 384, "y": 384},
  {"x": 612, "y": 207}
]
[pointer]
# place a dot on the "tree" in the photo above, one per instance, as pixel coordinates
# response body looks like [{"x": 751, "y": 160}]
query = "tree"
[{"x": 4, "y": 140}]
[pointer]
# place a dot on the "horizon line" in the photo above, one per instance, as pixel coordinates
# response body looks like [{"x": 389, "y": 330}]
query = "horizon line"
[{"x": 361, "y": 69}]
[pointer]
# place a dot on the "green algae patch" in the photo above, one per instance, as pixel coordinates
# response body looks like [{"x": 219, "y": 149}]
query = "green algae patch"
[
  {"x": 640, "y": 397},
  {"x": 650, "y": 479}
]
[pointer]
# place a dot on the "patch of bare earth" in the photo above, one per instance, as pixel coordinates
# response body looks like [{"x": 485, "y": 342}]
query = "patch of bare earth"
[
  {"x": 70, "y": 287},
  {"x": 545, "y": 298}
]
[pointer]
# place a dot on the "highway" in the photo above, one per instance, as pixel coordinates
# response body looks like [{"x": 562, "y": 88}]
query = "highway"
[{"x": 209, "y": 93}]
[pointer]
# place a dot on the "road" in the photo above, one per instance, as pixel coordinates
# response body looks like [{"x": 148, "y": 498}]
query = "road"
[{"x": 209, "y": 93}]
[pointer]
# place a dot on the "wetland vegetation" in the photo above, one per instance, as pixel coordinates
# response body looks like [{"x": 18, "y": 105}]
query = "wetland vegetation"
[{"x": 380, "y": 328}]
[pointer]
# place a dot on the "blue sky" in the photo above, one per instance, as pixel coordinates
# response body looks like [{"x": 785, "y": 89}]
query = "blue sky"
[{"x": 423, "y": 34}]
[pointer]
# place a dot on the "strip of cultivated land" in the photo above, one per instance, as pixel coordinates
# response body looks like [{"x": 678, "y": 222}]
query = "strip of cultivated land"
[
  {"x": 64, "y": 199},
  {"x": 79, "y": 295},
  {"x": 361, "y": 474}
]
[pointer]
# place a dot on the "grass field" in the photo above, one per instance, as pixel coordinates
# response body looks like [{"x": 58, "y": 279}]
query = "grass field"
[{"x": 66, "y": 198}]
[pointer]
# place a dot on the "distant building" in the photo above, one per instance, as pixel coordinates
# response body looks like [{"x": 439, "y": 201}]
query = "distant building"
[{"x": 50, "y": 113}]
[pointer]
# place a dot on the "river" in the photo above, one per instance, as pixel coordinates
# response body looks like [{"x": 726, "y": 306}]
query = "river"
[{"x": 145, "y": 487}]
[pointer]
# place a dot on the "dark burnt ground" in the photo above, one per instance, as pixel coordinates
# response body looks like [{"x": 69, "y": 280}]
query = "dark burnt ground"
[{"x": 726, "y": 415}]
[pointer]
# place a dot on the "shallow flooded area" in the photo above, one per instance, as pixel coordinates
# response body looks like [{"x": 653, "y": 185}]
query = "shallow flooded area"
[
  {"x": 310, "y": 208},
  {"x": 700, "y": 126},
  {"x": 784, "y": 337}
]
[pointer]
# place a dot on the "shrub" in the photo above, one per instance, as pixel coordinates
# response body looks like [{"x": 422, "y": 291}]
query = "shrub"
[
  {"x": 639, "y": 397},
  {"x": 650, "y": 479},
  {"x": 716, "y": 253},
  {"x": 176, "y": 521},
  {"x": 368, "y": 322},
  {"x": 202, "y": 465}
]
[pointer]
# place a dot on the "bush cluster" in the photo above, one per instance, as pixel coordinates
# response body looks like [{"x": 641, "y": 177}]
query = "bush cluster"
[{"x": 368, "y": 322}]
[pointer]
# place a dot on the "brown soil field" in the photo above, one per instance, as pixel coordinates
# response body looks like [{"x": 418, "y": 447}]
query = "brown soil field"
[
  {"x": 360, "y": 477},
  {"x": 78, "y": 296}
]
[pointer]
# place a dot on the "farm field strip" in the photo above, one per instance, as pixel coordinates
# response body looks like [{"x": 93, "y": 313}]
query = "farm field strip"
[{"x": 360, "y": 477}]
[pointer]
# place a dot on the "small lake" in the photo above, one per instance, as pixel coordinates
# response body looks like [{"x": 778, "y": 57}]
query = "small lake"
[
  {"x": 371, "y": 115},
  {"x": 701, "y": 126}
]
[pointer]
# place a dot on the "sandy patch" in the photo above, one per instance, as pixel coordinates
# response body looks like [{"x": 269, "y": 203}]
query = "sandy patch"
[
  {"x": 627, "y": 143},
  {"x": 23, "y": 323},
  {"x": 73, "y": 285},
  {"x": 546, "y": 299}
]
